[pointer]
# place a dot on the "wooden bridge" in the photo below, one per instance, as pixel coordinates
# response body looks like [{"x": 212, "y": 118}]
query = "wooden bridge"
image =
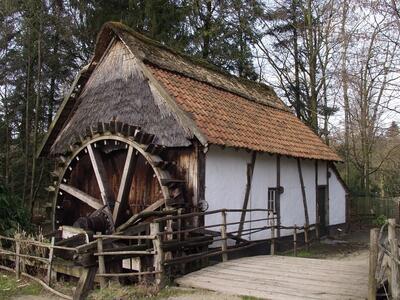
[{"x": 283, "y": 277}]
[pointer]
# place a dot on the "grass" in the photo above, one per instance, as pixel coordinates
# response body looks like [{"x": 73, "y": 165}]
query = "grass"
[
  {"x": 11, "y": 287},
  {"x": 148, "y": 292}
]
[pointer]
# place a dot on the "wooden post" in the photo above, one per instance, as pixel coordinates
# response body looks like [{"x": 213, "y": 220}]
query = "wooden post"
[
  {"x": 50, "y": 264},
  {"x": 295, "y": 240},
  {"x": 85, "y": 283},
  {"x": 158, "y": 262},
  {"x": 272, "y": 252},
  {"x": 224, "y": 237},
  {"x": 394, "y": 267},
  {"x": 306, "y": 237},
  {"x": 317, "y": 231},
  {"x": 373, "y": 260},
  {"x": 17, "y": 257},
  {"x": 102, "y": 266}
]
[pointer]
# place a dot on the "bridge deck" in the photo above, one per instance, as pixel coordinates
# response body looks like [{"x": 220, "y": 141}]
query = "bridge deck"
[{"x": 283, "y": 277}]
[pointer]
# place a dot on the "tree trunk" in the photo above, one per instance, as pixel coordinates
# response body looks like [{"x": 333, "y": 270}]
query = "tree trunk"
[
  {"x": 345, "y": 86},
  {"x": 36, "y": 122},
  {"x": 296, "y": 60}
]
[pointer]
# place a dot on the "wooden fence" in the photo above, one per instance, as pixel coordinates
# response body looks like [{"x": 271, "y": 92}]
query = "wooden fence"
[
  {"x": 384, "y": 261},
  {"x": 162, "y": 243},
  {"x": 364, "y": 210},
  {"x": 16, "y": 253}
]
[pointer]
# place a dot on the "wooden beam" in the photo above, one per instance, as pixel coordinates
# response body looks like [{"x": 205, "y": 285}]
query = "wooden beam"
[
  {"x": 373, "y": 261},
  {"x": 132, "y": 219},
  {"x": 303, "y": 192},
  {"x": 317, "y": 216},
  {"x": 278, "y": 194},
  {"x": 89, "y": 200},
  {"x": 126, "y": 181},
  {"x": 250, "y": 171},
  {"x": 85, "y": 283},
  {"x": 101, "y": 175}
]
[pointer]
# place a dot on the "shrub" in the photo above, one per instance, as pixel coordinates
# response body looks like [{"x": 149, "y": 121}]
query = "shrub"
[
  {"x": 13, "y": 214},
  {"x": 380, "y": 220}
]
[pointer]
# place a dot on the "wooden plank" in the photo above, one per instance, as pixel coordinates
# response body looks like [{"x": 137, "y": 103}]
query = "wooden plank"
[
  {"x": 224, "y": 237},
  {"x": 250, "y": 171},
  {"x": 100, "y": 259},
  {"x": 158, "y": 262},
  {"x": 309, "y": 263},
  {"x": 17, "y": 258},
  {"x": 276, "y": 277},
  {"x": 394, "y": 282},
  {"x": 373, "y": 260},
  {"x": 309, "y": 286},
  {"x": 101, "y": 175},
  {"x": 295, "y": 274},
  {"x": 89, "y": 200},
  {"x": 50, "y": 264},
  {"x": 126, "y": 181},
  {"x": 328, "y": 269},
  {"x": 242, "y": 287},
  {"x": 281, "y": 284},
  {"x": 85, "y": 283},
  {"x": 156, "y": 205},
  {"x": 341, "y": 276}
]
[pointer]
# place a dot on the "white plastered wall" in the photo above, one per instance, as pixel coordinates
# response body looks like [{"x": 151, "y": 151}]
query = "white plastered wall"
[
  {"x": 225, "y": 183},
  {"x": 292, "y": 208},
  {"x": 337, "y": 200},
  {"x": 225, "y": 186}
]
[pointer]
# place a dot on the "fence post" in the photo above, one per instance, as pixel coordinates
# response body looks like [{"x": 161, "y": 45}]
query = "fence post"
[
  {"x": 394, "y": 267},
  {"x": 50, "y": 264},
  {"x": 317, "y": 230},
  {"x": 224, "y": 237},
  {"x": 17, "y": 257},
  {"x": 306, "y": 237},
  {"x": 159, "y": 254},
  {"x": 373, "y": 260},
  {"x": 272, "y": 252},
  {"x": 295, "y": 240},
  {"x": 100, "y": 257}
]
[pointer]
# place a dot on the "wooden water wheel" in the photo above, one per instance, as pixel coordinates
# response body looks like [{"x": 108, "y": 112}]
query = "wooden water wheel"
[{"x": 112, "y": 173}]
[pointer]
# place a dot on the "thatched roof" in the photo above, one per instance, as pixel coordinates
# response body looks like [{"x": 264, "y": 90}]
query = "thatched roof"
[{"x": 186, "y": 97}]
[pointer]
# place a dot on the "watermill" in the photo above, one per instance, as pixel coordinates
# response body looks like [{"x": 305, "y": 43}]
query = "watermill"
[
  {"x": 111, "y": 176},
  {"x": 163, "y": 162}
]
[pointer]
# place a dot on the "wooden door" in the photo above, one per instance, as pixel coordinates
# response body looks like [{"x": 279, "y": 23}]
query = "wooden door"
[{"x": 322, "y": 209}]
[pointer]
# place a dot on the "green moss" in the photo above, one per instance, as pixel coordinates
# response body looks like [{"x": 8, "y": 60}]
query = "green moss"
[{"x": 11, "y": 287}]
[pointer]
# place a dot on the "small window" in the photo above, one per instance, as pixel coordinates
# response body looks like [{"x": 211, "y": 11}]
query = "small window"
[{"x": 272, "y": 199}]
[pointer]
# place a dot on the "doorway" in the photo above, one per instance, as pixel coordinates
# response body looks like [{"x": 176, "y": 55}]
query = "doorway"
[{"x": 323, "y": 209}]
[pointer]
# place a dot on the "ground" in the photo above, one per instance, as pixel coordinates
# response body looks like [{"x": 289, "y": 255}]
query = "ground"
[{"x": 352, "y": 247}]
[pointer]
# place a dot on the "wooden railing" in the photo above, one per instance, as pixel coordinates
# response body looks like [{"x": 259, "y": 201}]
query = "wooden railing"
[
  {"x": 154, "y": 251},
  {"x": 384, "y": 261},
  {"x": 14, "y": 251},
  {"x": 163, "y": 240}
]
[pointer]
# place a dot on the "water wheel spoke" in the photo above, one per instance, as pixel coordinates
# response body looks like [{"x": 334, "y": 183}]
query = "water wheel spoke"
[
  {"x": 89, "y": 200},
  {"x": 101, "y": 175},
  {"x": 126, "y": 181}
]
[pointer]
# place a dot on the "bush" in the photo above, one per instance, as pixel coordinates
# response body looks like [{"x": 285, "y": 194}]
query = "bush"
[
  {"x": 380, "y": 220},
  {"x": 13, "y": 214}
]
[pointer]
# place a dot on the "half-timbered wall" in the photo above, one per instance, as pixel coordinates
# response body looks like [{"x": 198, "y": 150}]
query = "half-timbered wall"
[
  {"x": 225, "y": 186},
  {"x": 337, "y": 200}
]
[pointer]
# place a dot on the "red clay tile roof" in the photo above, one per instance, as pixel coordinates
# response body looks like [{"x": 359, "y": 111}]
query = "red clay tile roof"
[{"x": 234, "y": 121}]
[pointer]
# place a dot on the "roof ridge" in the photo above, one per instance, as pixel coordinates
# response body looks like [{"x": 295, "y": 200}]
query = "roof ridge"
[{"x": 241, "y": 86}]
